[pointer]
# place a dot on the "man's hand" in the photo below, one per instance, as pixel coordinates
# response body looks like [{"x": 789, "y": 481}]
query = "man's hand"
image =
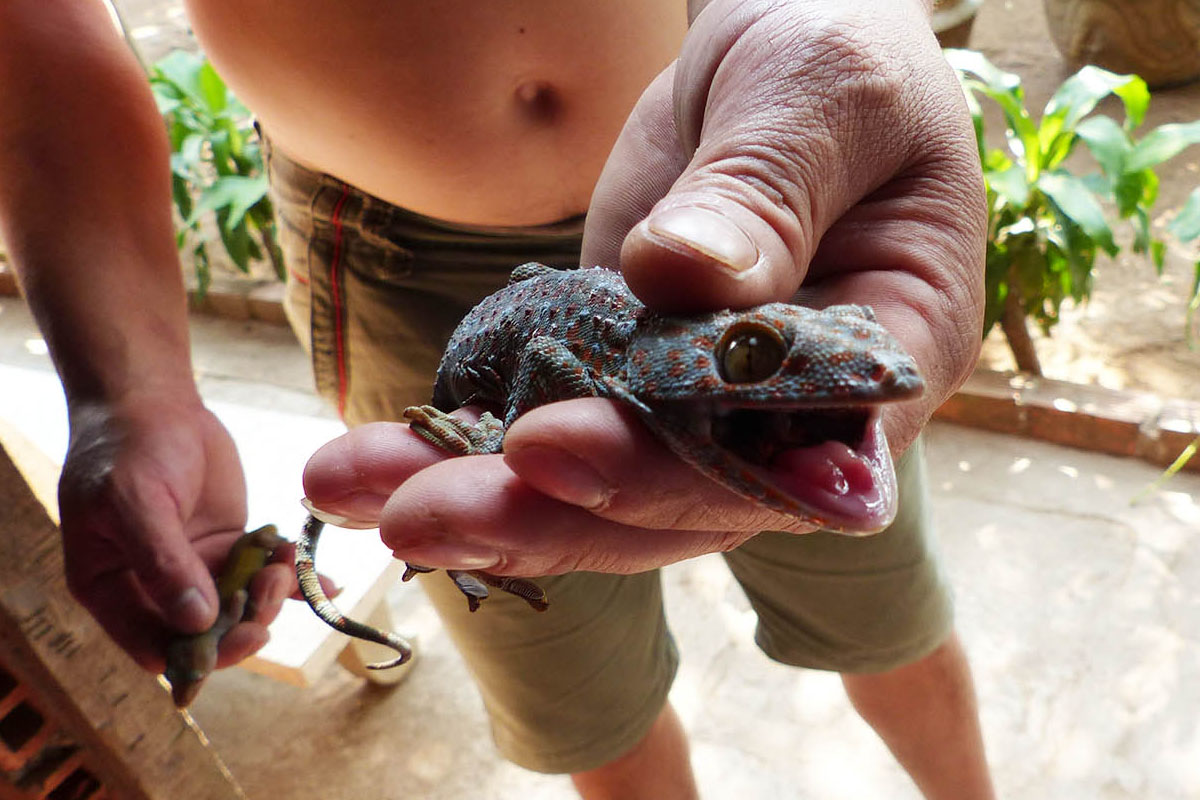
[
  {"x": 814, "y": 146},
  {"x": 151, "y": 498}
]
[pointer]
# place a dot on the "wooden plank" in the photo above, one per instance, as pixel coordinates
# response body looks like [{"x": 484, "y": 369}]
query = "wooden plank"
[{"x": 139, "y": 745}]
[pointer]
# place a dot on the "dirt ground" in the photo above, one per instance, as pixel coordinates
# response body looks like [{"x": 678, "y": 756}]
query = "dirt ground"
[{"x": 1131, "y": 335}]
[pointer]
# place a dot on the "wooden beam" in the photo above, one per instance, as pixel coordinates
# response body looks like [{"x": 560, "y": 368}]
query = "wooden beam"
[{"x": 139, "y": 746}]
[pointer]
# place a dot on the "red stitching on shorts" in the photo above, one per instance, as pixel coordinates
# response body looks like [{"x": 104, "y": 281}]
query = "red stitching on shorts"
[{"x": 336, "y": 291}]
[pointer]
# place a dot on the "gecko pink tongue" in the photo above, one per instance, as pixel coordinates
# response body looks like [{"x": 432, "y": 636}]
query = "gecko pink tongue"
[{"x": 833, "y": 479}]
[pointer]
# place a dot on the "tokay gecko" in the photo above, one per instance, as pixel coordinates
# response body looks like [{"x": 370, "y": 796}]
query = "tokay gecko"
[{"x": 779, "y": 403}]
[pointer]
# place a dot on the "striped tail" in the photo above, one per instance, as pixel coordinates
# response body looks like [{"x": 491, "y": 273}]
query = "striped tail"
[{"x": 323, "y": 607}]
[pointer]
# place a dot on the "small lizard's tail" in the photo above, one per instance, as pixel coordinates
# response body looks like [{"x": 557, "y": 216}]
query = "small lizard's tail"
[{"x": 323, "y": 607}]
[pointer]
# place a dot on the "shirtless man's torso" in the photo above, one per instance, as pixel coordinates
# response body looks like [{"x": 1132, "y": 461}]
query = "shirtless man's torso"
[{"x": 479, "y": 113}]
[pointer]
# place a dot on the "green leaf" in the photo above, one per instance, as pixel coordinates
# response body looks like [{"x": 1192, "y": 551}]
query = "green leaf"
[
  {"x": 1075, "y": 201},
  {"x": 976, "y": 63},
  {"x": 165, "y": 97},
  {"x": 246, "y": 193},
  {"x": 1141, "y": 231},
  {"x": 1076, "y": 98},
  {"x": 236, "y": 240},
  {"x": 182, "y": 196},
  {"x": 1080, "y": 253},
  {"x": 1056, "y": 150},
  {"x": 182, "y": 70},
  {"x": 996, "y": 161},
  {"x": 178, "y": 130},
  {"x": 1108, "y": 143},
  {"x": 1158, "y": 254},
  {"x": 1004, "y": 88},
  {"x": 234, "y": 137},
  {"x": 191, "y": 150},
  {"x": 1098, "y": 184},
  {"x": 1129, "y": 191},
  {"x": 1011, "y": 186},
  {"x": 222, "y": 157},
  {"x": 1080, "y": 93},
  {"x": 1135, "y": 94},
  {"x": 232, "y": 195},
  {"x": 1162, "y": 143},
  {"x": 1186, "y": 225},
  {"x": 212, "y": 88},
  {"x": 1149, "y": 188}
]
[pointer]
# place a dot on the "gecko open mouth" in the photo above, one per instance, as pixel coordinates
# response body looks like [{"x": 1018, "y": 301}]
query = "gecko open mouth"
[
  {"x": 758, "y": 435},
  {"x": 832, "y": 462}
]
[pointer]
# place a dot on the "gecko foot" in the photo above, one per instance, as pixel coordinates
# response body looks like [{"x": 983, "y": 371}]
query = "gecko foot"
[
  {"x": 474, "y": 586},
  {"x": 453, "y": 434}
]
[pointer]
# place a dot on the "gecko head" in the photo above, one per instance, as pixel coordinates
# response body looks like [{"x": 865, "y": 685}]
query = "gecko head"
[{"x": 780, "y": 403}]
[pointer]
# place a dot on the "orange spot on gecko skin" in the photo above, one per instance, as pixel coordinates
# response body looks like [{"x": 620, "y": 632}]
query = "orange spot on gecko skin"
[
  {"x": 703, "y": 342},
  {"x": 674, "y": 355},
  {"x": 702, "y": 362},
  {"x": 708, "y": 382},
  {"x": 677, "y": 370}
]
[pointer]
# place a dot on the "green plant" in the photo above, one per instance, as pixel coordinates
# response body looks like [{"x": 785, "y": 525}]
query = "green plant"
[
  {"x": 1046, "y": 224},
  {"x": 216, "y": 166}
]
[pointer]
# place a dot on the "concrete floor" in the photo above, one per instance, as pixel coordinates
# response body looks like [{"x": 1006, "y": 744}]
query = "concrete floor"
[{"x": 1081, "y": 613}]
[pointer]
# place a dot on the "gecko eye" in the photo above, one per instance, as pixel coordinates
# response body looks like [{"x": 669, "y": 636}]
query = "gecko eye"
[{"x": 750, "y": 352}]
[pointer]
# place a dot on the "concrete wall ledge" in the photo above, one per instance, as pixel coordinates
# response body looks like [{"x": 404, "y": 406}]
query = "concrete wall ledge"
[{"x": 1116, "y": 422}]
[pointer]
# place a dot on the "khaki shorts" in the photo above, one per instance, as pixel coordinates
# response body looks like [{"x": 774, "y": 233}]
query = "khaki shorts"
[{"x": 374, "y": 292}]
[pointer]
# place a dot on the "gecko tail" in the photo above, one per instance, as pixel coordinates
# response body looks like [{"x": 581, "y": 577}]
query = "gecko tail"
[{"x": 323, "y": 607}]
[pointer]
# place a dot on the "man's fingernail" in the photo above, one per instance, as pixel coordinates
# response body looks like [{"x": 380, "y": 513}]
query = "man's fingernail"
[
  {"x": 191, "y": 610},
  {"x": 561, "y": 475},
  {"x": 707, "y": 232},
  {"x": 358, "y": 511},
  {"x": 452, "y": 556}
]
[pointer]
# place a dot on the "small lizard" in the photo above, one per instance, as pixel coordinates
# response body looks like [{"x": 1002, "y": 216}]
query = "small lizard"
[
  {"x": 191, "y": 658},
  {"x": 779, "y": 403}
]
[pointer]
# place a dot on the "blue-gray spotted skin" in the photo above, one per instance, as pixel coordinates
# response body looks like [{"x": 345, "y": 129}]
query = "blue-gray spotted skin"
[
  {"x": 795, "y": 425},
  {"x": 836, "y": 355},
  {"x": 495, "y": 358}
]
